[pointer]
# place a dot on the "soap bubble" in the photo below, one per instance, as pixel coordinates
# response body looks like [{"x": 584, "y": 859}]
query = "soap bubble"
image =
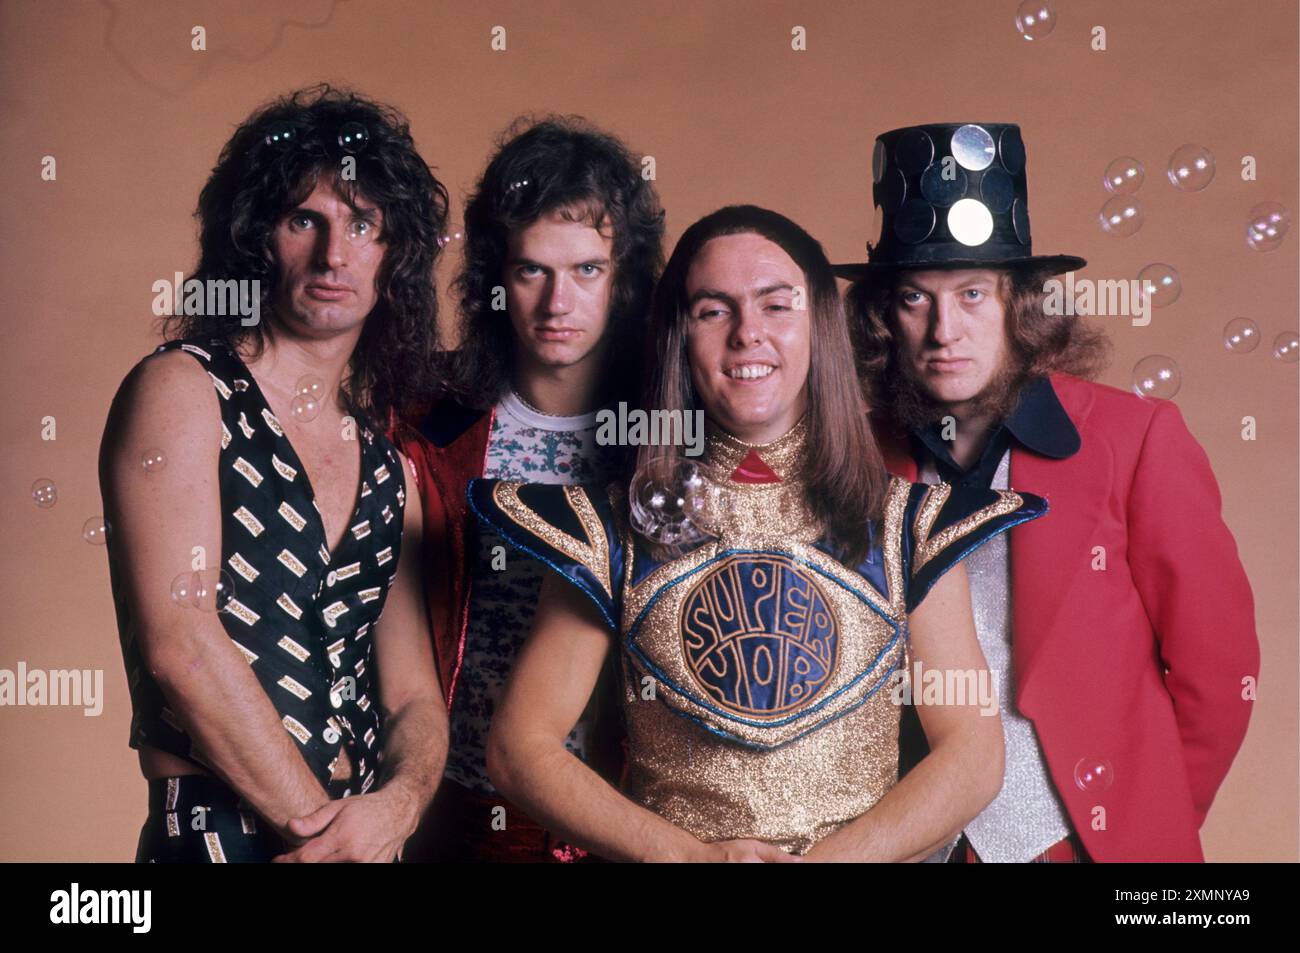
[
  {"x": 1121, "y": 216},
  {"x": 1267, "y": 226},
  {"x": 1157, "y": 376},
  {"x": 305, "y": 408},
  {"x": 1241, "y": 335},
  {"x": 1159, "y": 283},
  {"x": 1035, "y": 19},
  {"x": 1093, "y": 775},
  {"x": 1191, "y": 168},
  {"x": 95, "y": 531},
  {"x": 455, "y": 235},
  {"x": 280, "y": 134},
  {"x": 1124, "y": 176},
  {"x": 353, "y": 137},
  {"x": 311, "y": 386},
  {"x": 45, "y": 493},
  {"x": 1286, "y": 347},
  {"x": 153, "y": 460},
  {"x": 208, "y": 590},
  {"x": 669, "y": 509}
]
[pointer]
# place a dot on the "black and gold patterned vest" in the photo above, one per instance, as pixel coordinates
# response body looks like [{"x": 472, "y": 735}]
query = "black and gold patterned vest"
[{"x": 300, "y": 615}]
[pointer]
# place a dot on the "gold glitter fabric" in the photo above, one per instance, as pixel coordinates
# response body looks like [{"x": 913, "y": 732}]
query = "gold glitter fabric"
[{"x": 757, "y": 694}]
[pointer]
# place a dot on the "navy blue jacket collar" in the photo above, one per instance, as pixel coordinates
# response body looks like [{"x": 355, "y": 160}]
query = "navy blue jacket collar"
[{"x": 1038, "y": 423}]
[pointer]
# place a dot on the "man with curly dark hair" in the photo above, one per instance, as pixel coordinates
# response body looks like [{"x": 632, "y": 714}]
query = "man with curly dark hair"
[
  {"x": 1120, "y": 628},
  {"x": 563, "y": 242},
  {"x": 275, "y": 715}
]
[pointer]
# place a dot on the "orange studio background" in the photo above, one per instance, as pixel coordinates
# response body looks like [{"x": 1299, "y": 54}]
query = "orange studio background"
[{"x": 134, "y": 118}]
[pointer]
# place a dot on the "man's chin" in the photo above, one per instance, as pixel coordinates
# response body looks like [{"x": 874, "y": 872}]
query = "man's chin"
[
  {"x": 556, "y": 355},
  {"x": 917, "y": 403}
]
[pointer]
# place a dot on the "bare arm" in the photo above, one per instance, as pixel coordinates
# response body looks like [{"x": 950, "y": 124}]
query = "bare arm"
[
  {"x": 374, "y": 827},
  {"x": 963, "y": 771},
  {"x": 168, "y": 403},
  {"x": 415, "y": 726},
  {"x": 549, "y": 686}
]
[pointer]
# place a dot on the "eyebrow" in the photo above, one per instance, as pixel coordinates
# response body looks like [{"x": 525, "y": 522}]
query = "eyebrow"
[
  {"x": 707, "y": 293},
  {"x": 520, "y": 260},
  {"x": 906, "y": 287},
  {"x": 369, "y": 214}
]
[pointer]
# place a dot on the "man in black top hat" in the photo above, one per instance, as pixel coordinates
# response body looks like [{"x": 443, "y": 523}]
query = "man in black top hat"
[{"x": 1121, "y": 627}]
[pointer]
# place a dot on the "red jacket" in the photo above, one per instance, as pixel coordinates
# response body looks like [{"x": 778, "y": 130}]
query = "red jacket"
[
  {"x": 1139, "y": 665},
  {"x": 448, "y": 449}
]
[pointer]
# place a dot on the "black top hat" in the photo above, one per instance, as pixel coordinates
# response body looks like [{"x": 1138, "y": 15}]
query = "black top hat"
[{"x": 952, "y": 195}]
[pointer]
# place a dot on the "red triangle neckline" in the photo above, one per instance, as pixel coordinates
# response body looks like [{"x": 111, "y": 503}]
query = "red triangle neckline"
[{"x": 752, "y": 469}]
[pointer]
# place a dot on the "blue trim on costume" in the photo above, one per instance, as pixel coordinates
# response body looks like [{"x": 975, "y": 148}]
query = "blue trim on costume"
[
  {"x": 943, "y": 568},
  {"x": 598, "y": 599}
]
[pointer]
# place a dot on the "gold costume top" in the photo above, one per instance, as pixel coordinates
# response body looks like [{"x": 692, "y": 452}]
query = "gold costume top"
[{"x": 755, "y": 665}]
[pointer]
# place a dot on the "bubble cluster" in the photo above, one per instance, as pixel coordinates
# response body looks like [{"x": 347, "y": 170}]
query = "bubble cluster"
[
  {"x": 1191, "y": 168},
  {"x": 1035, "y": 19},
  {"x": 208, "y": 590},
  {"x": 670, "y": 507},
  {"x": 1241, "y": 335},
  {"x": 45, "y": 493},
  {"x": 1124, "y": 176},
  {"x": 308, "y": 397},
  {"x": 1157, "y": 376},
  {"x": 1121, "y": 216},
  {"x": 1267, "y": 225},
  {"x": 1160, "y": 284}
]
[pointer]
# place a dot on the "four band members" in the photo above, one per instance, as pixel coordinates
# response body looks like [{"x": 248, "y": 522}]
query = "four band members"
[{"x": 380, "y": 598}]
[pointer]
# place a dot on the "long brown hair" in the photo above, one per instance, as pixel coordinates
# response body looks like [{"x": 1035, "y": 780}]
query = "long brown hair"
[
  {"x": 843, "y": 470},
  {"x": 1040, "y": 343}
]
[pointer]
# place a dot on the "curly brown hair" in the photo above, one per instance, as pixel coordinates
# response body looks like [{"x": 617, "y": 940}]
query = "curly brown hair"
[
  {"x": 569, "y": 165},
  {"x": 1040, "y": 343},
  {"x": 270, "y": 164}
]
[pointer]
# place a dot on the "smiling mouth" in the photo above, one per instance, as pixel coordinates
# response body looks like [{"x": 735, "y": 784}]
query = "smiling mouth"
[{"x": 749, "y": 372}]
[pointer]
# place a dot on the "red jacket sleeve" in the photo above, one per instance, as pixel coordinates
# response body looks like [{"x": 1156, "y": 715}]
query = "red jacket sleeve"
[{"x": 1185, "y": 566}]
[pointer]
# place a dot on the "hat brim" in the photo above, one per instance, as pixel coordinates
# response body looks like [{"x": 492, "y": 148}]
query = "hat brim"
[{"x": 1050, "y": 264}]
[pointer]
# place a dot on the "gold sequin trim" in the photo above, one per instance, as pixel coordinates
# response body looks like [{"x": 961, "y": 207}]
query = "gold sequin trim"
[
  {"x": 785, "y": 455},
  {"x": 935, "y": 497},
  {"x": 892, "y": 544},
  {"x": 594, "y": 554},
  {"x": 215, "y": 853}
]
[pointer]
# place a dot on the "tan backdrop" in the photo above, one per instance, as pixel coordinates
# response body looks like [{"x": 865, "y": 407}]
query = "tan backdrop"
[{"x": 134, "y": 119}]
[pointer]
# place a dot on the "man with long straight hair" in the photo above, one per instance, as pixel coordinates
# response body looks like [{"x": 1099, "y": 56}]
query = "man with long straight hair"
[{"x": 761, "y": 604}]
